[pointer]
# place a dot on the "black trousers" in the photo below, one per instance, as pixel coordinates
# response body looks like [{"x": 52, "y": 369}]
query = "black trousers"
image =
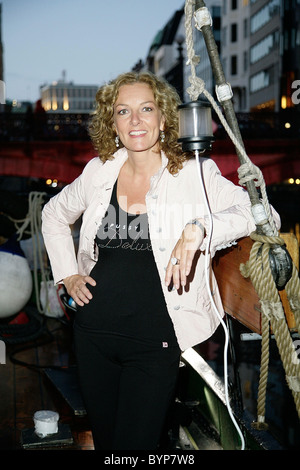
[{"x": 127, "y": 387}]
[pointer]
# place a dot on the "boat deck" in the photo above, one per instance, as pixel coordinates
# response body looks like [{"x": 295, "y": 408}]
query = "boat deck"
[
  {"x": 41, "y": 375},
  {"x": 26, "y": 389}
]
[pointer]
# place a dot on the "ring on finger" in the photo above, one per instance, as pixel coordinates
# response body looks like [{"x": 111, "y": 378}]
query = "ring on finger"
[{"x": 175, "y": 261}]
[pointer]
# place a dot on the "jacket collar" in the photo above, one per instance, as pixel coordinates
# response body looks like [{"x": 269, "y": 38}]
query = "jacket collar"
[
  {"x": 109, "y": 170},
  {"x": 112, "y": 169}
]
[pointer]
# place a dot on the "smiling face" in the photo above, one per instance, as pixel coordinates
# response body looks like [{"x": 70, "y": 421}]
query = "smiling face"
[{"x": 137, "y": 118}]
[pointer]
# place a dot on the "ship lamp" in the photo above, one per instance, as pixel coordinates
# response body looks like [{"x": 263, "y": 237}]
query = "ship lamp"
[{"x": 195, "y": 126}]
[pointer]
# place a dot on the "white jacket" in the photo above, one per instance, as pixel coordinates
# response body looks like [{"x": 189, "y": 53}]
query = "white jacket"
[{"x": 171, "y": 202}]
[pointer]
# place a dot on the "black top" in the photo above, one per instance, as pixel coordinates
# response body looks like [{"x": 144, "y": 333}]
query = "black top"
[{"x": 128, "y": 297}]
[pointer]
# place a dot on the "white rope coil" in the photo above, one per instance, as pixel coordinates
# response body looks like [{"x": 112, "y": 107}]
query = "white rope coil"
[
  {"x": 224, "y": 92},
  {"x": 202, "y": 18}
]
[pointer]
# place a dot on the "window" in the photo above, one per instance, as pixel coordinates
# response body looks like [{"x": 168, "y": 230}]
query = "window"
[
  {"x": 245, "y": 27},
  {"x": 245, "y": 58},
  {"x": 234, "y": 4},
  {"x": 264, "y": 47},
  {"x": 234, "y": 32},
  {"x": 264, "y": 15},
  {"x": 259, "y": 81},
  {"x": 233, "y": 65}
]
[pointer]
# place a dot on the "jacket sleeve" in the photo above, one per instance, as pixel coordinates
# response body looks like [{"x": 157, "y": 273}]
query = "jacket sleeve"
[
  {"x": 58, "y": 214},
  {"x": 230, "y": 208}
]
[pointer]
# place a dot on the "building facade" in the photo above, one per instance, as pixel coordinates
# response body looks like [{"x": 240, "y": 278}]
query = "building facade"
[
  {"x": 266, "y": 34},
  {"x": 235, "y": 42},
  {"x": 260, "y": 50},
  {"x": 66, "y": 97},
  {"x": 259, "y": 47},
  {"x": 167, "y": 55}
]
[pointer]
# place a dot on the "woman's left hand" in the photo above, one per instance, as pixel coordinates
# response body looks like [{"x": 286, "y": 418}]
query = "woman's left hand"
[{"x": 183, "y": 255}]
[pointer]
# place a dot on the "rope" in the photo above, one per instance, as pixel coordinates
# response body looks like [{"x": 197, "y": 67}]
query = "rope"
[
  {"x": 259, "y": 271},
  {"x": 258, "y": 266},
  {"x": 31, "y": 225},
  {"x": 263, "y": 378},
  {"x": 292, "y": 289}
]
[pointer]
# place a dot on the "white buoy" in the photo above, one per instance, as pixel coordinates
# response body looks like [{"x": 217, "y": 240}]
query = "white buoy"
[{"x": 15, "y": 283}]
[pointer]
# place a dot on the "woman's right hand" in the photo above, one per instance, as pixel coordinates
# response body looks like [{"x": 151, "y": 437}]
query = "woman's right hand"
[{"x": 76, "y": 288}]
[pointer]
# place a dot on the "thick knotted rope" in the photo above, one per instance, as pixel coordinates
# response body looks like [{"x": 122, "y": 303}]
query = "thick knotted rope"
[{"x": 259, "y": 270}]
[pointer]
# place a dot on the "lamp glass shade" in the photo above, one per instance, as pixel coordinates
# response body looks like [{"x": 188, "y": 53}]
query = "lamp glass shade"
[{"x": 195, "y": 125}]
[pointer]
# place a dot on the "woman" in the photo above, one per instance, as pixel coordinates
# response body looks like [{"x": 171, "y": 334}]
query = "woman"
[{"x": 139, "y": 278}]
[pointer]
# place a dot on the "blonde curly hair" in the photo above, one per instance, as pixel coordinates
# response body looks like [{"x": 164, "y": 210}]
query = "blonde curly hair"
[{"x": 101, "y": 126}]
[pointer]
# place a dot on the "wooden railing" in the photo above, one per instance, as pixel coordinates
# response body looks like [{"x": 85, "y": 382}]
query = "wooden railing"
[{"x": 66, "y": 126}]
